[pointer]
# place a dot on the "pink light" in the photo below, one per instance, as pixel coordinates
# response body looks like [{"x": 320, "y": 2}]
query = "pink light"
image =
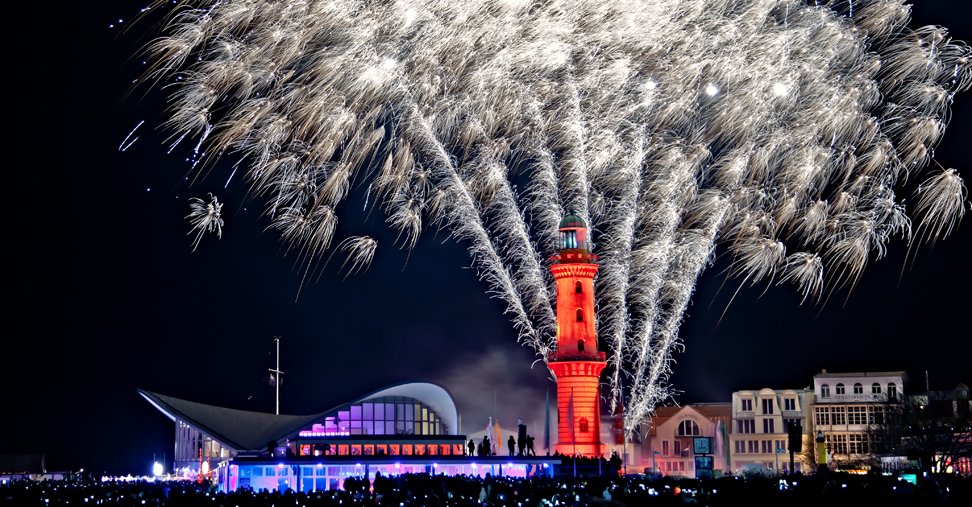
[{"x": 329, "y": 433}]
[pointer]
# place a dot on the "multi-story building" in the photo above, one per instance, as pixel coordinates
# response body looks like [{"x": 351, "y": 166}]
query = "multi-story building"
[
  {"x": 847, "y": 407},
  {"x": 760, "y": 424},
  {"x": 669, "y": 446}
]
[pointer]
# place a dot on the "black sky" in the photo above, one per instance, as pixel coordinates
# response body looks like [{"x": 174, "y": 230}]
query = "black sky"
[{"x": 104, "y": 295}]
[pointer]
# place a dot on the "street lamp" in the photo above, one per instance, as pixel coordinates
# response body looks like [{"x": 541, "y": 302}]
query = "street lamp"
[{"x": 821, "y": 453}]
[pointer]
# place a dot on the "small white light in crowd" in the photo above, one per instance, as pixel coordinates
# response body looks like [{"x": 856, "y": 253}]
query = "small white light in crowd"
[
  {"x": 780, "y": 89},
  {"x": 711, "y": 90}
]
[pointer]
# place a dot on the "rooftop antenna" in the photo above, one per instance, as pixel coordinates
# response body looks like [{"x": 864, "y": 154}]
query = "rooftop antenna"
[
  {"x": 927, "y": 388},
  {"x": 277, "y": 373}
]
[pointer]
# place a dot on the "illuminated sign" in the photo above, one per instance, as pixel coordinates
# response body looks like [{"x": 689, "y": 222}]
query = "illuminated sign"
[{"x": 702, "y": 445}]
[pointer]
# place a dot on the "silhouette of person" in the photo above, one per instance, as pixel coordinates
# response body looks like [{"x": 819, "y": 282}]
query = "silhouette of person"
[
  {"x": 529, "y": 445},
  {"x": 511, "y": 443},
  {"x": 486, "y": 448},
  {"x": 472, "y": 448}
]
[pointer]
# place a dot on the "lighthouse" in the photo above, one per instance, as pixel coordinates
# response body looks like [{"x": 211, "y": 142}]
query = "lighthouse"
[{"x": 576, "y": 363}]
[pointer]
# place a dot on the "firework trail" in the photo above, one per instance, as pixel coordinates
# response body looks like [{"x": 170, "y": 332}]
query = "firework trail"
[
  {"x": 781, "y": 132},
  {"x": 205, "y": 217}
]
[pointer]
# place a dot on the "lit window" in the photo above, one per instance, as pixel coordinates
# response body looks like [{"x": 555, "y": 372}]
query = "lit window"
[{"x": 688, "y": 428}]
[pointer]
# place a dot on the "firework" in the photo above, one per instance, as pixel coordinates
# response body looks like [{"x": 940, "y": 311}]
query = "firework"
[
  {"x": 779, "y": 131},
  {"x": 205, "y": 217}
]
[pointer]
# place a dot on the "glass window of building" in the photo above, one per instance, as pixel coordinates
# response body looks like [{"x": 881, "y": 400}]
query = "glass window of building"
[
  {"x": 578, "y": 288},
  {"x": 767, "y": 406},
  {"x": 875, "y": 388},
  {"x": 688, "y": 428},
  {"x": 858, "y": 388},
  {"x": 892, "y": 391},
  {"x": 840, "y": 389},
  {"x": 825, "y": 391},
  {"x": 747, "y": 405},
  {"x": 768, "y": 426}
]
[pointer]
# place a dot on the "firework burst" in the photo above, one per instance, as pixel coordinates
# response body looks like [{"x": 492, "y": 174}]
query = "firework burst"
[
  {"x": 205, "y": 217},
  {"x": 778, "y": 131}
]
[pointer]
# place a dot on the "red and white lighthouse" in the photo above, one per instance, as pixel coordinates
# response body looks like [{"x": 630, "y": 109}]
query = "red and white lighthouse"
[{"x": 577, "y": 364}]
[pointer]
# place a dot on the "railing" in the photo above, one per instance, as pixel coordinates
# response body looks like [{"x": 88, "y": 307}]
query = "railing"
[{"x": 582, "y": 356}]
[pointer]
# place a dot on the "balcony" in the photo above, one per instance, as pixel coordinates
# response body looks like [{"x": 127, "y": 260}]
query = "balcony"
[{"x": 582, "y": 356}]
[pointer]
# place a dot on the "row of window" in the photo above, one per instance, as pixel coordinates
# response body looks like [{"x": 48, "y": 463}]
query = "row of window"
[
  {"x": 860, "y": 414},
  {"x": 382, "y": 449},
  {"x": 859, "y": 389},
  {"x": 383, "y": 416},
  {"x": 848, "y": 443},
  {"x": 769, "y": 425},
  {"x": 759, "y": 446},
  {"x": 789, "y": 404}
]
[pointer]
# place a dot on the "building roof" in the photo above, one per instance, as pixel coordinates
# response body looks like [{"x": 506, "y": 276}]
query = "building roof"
[
  {"x": 572, "y": 220},
  {"x": 710, "y": 410},
  {"x": 247, "y": 430},
  {"x": 238, "y": 429},
  {"x": 826, "y": 374},
  {"x": 22, "y": 464}
]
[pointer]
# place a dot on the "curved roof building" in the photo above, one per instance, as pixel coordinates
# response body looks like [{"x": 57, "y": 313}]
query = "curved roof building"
[{"x": 409, "y": 427}]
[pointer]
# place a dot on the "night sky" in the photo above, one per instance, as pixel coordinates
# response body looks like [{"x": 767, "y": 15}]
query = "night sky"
[{"x": 104, "y": 294}]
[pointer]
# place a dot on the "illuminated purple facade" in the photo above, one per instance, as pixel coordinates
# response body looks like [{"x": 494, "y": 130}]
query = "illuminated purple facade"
[{"x": 407, "y": 428}]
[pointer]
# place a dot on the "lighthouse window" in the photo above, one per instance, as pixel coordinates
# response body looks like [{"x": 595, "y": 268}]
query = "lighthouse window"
[
  {"x": 583, "y": 425},
  {"x": 578, "y": 288},
  {"x": 580, "y": 345},
  {"x": 580, "y": 315},
  {"x": 568, "y": 239}
]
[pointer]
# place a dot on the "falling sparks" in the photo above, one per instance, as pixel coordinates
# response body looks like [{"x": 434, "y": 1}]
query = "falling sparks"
[
  {"x": 205, "y": 217},
  {"x": 360, "y": 251},
  {"x": 778, "y": 131},
  {"x": 125, "y": 144}
]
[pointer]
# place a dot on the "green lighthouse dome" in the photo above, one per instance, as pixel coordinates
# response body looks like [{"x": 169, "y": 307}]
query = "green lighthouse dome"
[{"x": 572, "y": 221}]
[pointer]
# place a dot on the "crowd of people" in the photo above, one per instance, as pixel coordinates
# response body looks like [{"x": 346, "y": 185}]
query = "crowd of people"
[{"x": 461, "y": 491}]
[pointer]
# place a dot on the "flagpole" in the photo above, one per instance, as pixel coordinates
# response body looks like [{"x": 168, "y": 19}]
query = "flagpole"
[
  {"x": 277, "y": 373},
  {"x": 546, "y": 423},
  {"x": 573, "y": 437},
  {"x": 277, "y": 339}
]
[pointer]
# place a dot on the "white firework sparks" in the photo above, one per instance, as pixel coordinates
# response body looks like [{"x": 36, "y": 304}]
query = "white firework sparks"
[
  {"x": 779, "y": 130},
  {"x": 205, "y": 217}
]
